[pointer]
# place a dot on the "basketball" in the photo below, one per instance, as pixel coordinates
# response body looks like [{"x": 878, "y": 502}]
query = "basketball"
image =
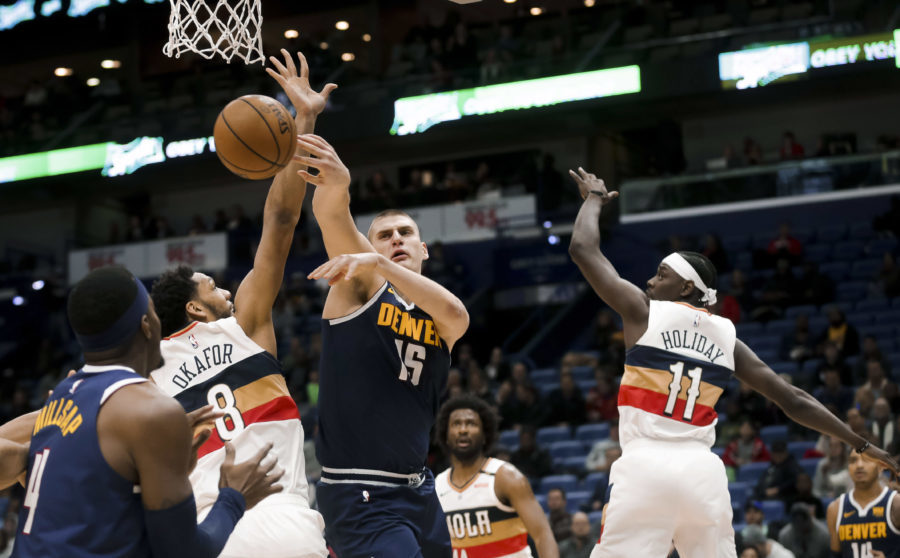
[{"x": 255, "y": 136}]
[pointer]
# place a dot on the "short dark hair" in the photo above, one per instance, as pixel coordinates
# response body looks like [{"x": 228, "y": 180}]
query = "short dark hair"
[
  {"x": 489, "y": 419},
  {"x": 703, "y": 266},
  {"x": 101, "y": 298},
  {"x": 171, "y": 292}
]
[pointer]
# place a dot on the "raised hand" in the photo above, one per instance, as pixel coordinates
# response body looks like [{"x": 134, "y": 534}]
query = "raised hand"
[
  {"x": 296, "y": 85},
  {"x": 588, "y": 183},
  {"x": 252, "y": 478},
  {"x": 345, "y": 267},
  {"x": 332, "y": 172}
]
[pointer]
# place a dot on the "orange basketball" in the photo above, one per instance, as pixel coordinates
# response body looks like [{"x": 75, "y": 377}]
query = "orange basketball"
[{"x": 255, "y": 136}]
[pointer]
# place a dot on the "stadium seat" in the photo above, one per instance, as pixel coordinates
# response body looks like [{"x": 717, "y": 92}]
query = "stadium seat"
[
  {"x": 835, "y": 270},
  {"x": 764, "y": 342},
  {"x": 566, "y": 482},
  {"x": 719, "y": 451},
  {"x": 585, "y": 386},
  {"x": 799, "y": 449},
  {"x": 769, "y": 355},
  {"x": 591, "y": 481},
  {"x": 891, "y": 316},
  {"x": 852, "y": 291},
  {"x": 775, "y": 432},
  {"x": 542, "y": 500},
  {"x": 826, "y": 501},
  {"x": 784, "y": 367},
  {"x": 735, "y": 243},
  {"x": 751, "y": 472},
  {"x": 861, "y": 231},
  {"x": 861, "y": 317},
  {"x": 543, "y": 375},
  {"x": 740, "y": 492},
  {"x": 737, "y": 513},
  {"x": 878, "y": 331},
  {"x": 595, "y": 517},
  {"x": 878, "y": 246},
  {"x": 573, "y": 465},
  {"x": 549, "y": 434},
  {"x": 509, "y": 439},
  {"x": 817, "y": 253},
  {"x": 809, "y": 465},
  {"x": 794, "y": 311},
  {"x": 773, "y": 510},
  {"x": 567, "y": 448},
  {"x": 545, "y": 388},
  {"x": 780, "y": 327},
  {"x": 583, "y": 373},
  {"x": 812, "y": 365},
  {"x": 574, "y": 500},
  {"x": 748, "y": 328},
  {"x": 865, "y": 269},
  {"x": 831, "y": 234},
  {"x": 591, "y": 433}
]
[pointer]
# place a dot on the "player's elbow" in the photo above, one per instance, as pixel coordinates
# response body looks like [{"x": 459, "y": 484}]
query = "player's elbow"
[
  {"x": 459, "y": 316},
  {"x": 579, "y": 250}
]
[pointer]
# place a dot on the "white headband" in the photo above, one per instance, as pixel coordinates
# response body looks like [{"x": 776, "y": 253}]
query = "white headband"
[{"x": 679, "y": 265}]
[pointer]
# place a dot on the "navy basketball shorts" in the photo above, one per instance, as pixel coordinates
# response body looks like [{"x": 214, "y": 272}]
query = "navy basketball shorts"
[{"x": 369, "y": 520}]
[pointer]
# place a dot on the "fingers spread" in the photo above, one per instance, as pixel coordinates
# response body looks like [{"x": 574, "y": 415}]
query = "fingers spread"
[
  {"x": 289, "y": 62},
  {"x": 261, "y": 454},
  {"x": 277, "y": 63},
  {"x": 304, "y": 67},
  {"x": 315, "y": 180}
]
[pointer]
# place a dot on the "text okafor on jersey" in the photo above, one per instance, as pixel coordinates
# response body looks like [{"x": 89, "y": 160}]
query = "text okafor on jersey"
[
  {"x": 217, "y": 363},
  {"x": 864, "y": 529},
  {"x": 675, "y": 374},
  {"x": 481, "y": 526}
]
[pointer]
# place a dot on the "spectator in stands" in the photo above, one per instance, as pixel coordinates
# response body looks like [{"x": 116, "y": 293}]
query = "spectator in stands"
[
  {"x": 752, "y": 152},
  {"x": 857, "y": 422},
  {"x": 135, "y": 230},
  {"x": 560, "y": 518},
  {"x": 497, "y": 369},
  {"x": 581, "y": 543},
  {"x": 837, "y": 397},
  {"x": 601, "y": 402},
  {"x": 741, "y": 291},
  {"x": 597, "y": 458},
  {"x": 883, "y": 422},
  {"x": 804, "y": 536},
  {"x": 815, "y": 288},
  {"x": 712, "y": 249},
  {"x": 780, "y": 479},
  {"x": 728, "y": 306},
  {"x": 832, "y": 477},
  {"x": 566, "y": 404},
  {"x": 779, "y": 292},
  {"x": 887, "y": 280},
  {"x": 608, "y": 337},
  {"x": 798, "y": 344},
  {"x": 864, "y": 401},
  {"x": 889, "y": 222},
  {"x": 832, "y": 358},
  {"x": 870, "y": 351},
  {"x": 748, "y": 447},
  {"x": 790, "y": 149},
  {"x": 491, "y": 70},
  {"x": 754, "y": 516},
  {"x": 877, "y": 381},
  {"x": 804, "y": 495},
  {"x": 749, "y": 552},
  {"x": 477, "y": 383},
  {"x": 745, "y": 401},
  {"x": 198, "y": 225},
  {"x": 531, "y": 460},
  {"x": 839, "y": 332},
  {"x": 767, "y": 548},
  {"x": 784, "y": 245},
  {"x": 730, "y": 158}
]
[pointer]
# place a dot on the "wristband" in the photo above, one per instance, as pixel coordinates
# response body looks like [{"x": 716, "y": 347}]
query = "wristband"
[
  {"x": 863, "y": 448},
  {"x": 598, "y": 192}
]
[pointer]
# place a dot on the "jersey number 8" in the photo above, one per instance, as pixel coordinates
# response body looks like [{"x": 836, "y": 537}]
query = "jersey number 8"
[{"x": 222, "y": 398}]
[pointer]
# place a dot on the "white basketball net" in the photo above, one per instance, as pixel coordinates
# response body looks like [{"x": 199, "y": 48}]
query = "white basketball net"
[{"x": 230, "y": 29}]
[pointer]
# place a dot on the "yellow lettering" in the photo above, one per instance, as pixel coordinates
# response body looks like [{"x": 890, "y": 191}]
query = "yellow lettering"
[
  {"x": 72, "y": 426},
  {"x": 385, "y": 314},
  {"x": 68, "y": 418},
  {"x": 882, "y": 530},
  {"x": 417, "y": 329},
  {"x": 396, "y": 320},
  {"x": 430, "y": 337},
  {"x": 405, "y": 324},
  {"x": 38, "y": 424}
]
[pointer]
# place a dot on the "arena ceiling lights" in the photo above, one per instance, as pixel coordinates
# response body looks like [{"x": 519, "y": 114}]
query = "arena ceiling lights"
[
  {"x": 418, "y": 114},
  {"x": 758, "y": 67}
]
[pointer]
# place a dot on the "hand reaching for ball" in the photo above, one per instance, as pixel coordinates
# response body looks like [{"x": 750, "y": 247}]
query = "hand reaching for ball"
[{"x": 307, "y": 102}]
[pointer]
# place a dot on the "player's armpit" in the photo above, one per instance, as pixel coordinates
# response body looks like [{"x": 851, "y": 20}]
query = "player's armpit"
[
  {"x": 513, "y": 487},
  {"x": 831, "y": 519}
]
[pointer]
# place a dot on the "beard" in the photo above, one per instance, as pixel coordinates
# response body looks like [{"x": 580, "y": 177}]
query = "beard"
[{"x": 467, "y": 455}]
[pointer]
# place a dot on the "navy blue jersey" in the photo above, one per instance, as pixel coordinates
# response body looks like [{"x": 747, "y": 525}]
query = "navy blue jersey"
[
  {"x": 382, "y": 372},
  {"x": 862, "y": 530},
  {"x": 76, "y": 505}
]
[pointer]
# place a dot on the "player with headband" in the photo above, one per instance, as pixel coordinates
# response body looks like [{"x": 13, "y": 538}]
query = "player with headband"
[{"x": 668, "y": 486}]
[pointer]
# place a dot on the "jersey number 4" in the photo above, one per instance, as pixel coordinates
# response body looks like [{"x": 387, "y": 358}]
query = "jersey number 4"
[
  {"x": 861, "y": 550},
  {"x": 693, "y": 391},
  {"x": 33, "y": 491},
  {"x": 412, "y": 358}
]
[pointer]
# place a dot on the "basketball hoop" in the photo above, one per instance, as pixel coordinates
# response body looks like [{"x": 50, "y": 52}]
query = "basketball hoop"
[{"x": 230, "y": 29}]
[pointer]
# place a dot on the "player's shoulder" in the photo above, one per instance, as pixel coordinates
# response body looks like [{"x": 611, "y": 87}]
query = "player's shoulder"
[{"x": 145, "y": 404}]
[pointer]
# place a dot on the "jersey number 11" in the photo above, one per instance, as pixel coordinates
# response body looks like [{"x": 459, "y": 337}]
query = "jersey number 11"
[{"x": 693, "y": 391}]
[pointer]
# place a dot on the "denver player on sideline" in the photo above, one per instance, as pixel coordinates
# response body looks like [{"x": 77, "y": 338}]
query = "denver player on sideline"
[
  {"x": 865, "y": 522},
  {"x": 110, "y": 453},
  {"x": 668, "y": 486},
  {"x": 489, "y": 504},
  {"x": 387, "y": 332},
  {"x": 224, "y": 354}
]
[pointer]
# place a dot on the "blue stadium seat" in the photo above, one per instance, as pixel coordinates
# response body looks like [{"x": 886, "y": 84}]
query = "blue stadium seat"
[
  {"x": 812, "y": 364},
  {"x": 751, "y": 472},
  {"x": 509, "y": 438},
  {"x": 549, "y": 434},
  {"x": 740, "y": 492},
  {"x": 878, "y": 246},
  {"x": 835, "y": 270},
  {"x": 544, "y": 375},
  {"x": 852, "y": 291},
  {"x": 891, "y": 316},
  {"x": 737, "y": 513},
  {"x": 542, "y": 500},
  {"x": 848, "y": 251},
  {"x": 842, "y": 306},
  {"x": 591, "y": 433},
  {"x": 744, "y": 261},
  {"x": 585, "y": 386},
  {"x": 826, "y": 500},
  {"x": 591, "y": 481},
  {"x": 809, "y": 465},
  {"x": 817, "y": 253},
  {"x": 861, "y": 231},
  {"x": 595, "y": 517},
  {"x": 769, "y": 355},
  {"x": 763, "y": 342},
  {"x": 748, "y": 328},
  {"x": 545, "y": 387},
  {"x": 575, "y": 500},
  {"x": 780, "y": 327},
  {"x": 798, "y": 449},
  {"x": 784, "y": 367},
  {"x": 878, "y": 331},
  {"x": 773, "y": 510},
  {"x": 831, "y": 234},
  {"x": 865, "y": 269},
  {"x": 567, "y": 448},
  {"x": 573, "y": 465},
  {"x": 739, "y": 526},
  {"x": 719, "y": 451},
  {"x": 566, "y": 482},
  {"x": 775, "y": 432},
  {"x": 794, "y": 311},
  {"x": 804, "y": 235},
  {"x": 861, "y": 317},
  {"x": 895, "y": 303},
  {"x": 583, "y": 373}
]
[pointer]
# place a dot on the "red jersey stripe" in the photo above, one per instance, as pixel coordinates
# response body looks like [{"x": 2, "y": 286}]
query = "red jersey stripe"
[
  {"x": 281, "y": 408},
  {"x": 655, "y": 403},
  {"x": 497, "y": 548}
]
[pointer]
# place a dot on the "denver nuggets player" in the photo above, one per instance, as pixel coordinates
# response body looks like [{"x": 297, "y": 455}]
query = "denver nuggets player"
[
  {"x": 224, "y": 354},
  {"x": 489, "y": 504},
  {"x": 668, "y": 485},
  {"x": 387, "y": 332},
  {"x": 110, "y": 453},
  {"x": 865, "y": 522}
]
